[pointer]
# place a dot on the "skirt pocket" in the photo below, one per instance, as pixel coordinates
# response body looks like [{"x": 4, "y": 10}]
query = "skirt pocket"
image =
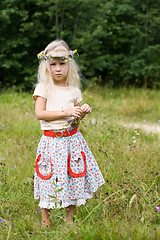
[
  {"x": 77, "y": 166},
  {"x": 42, "y": 167}
]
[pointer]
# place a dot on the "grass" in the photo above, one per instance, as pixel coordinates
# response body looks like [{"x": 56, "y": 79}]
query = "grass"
[
  {"x": 126, "y": 104},
  {"x": 124, "y": 207}
]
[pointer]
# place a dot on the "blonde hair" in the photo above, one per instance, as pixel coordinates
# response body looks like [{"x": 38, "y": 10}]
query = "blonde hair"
[{"x": 44, "y": 73}]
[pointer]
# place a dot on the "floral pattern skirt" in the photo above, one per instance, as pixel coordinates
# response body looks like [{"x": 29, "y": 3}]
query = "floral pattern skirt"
[{"x": 66, "y": 172}]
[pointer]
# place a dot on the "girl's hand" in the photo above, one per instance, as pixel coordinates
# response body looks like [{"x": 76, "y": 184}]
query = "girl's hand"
[
  {"x": 74, "y": 111},
  {"x": 86, "y": 108}
]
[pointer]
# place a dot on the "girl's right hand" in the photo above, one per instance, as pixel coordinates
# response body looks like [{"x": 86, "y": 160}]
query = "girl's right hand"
[{"x": 74, "y": 112}]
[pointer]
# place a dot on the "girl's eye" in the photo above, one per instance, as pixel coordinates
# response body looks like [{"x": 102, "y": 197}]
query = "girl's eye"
[
  {"x": 52, "y": 64},
  {"x": 62, "y": 63}
]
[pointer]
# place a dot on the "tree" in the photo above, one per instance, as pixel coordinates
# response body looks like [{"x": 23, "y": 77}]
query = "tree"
[{"x": 118, "y": 41}]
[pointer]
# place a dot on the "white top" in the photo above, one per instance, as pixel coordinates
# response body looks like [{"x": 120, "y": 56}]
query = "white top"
[{"x": 57, "y": 99}]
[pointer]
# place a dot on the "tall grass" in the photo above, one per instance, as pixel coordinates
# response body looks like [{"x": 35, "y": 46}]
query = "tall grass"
[
  {"x": 126, "y": 104},
  {"x": 123, "y": 208}
]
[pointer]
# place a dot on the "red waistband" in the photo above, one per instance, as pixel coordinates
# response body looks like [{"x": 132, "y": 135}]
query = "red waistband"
[{"x": 65, "y": 133}]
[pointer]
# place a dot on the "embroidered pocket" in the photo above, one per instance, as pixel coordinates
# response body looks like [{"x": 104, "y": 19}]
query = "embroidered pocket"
[
  {"x": 77, "y": 168},
  {"x": 37, "y": 169}
]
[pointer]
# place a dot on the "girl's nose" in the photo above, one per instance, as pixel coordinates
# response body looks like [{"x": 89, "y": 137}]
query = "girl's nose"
[{"x": 58, "y": 67}]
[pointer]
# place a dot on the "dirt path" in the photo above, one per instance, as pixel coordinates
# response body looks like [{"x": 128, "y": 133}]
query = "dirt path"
[{"x": 149, "y": 128}]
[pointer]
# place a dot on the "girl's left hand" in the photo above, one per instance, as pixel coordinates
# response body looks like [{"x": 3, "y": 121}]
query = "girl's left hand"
[{"x": 86, "y": 108}]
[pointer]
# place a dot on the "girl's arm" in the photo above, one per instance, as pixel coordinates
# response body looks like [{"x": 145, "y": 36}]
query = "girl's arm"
[{"x": 43, "y": 114}]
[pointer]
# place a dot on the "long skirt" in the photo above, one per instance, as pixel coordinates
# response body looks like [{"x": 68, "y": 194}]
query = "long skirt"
[{"x": 66, "y": 172}]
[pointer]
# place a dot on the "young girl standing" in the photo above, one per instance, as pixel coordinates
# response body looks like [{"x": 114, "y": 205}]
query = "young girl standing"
[{"x": 66, "y": 172}]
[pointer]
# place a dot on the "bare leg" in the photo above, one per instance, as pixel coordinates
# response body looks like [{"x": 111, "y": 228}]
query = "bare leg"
[
  {"x": 45, "y": 217},
  {"x": 70, "y": 212}
]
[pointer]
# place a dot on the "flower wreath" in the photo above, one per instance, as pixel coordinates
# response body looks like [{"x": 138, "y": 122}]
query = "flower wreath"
[{"x": 43, "y": 56}]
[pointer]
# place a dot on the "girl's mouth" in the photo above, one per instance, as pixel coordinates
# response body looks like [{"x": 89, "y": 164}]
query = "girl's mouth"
[{"x": 58, "y": 74}]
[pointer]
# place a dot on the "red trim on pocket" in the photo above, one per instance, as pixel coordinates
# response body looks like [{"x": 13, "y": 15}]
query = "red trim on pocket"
[
  {"x": 38, "y": 172},
  {"x": 76, "y": 175}
]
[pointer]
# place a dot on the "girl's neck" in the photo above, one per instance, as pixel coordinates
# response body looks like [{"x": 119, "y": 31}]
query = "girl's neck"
[{"x": 60, "y": 84}]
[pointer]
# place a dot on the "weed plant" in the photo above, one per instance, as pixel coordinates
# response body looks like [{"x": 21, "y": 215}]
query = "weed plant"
[{"x": 127, "y": 206}]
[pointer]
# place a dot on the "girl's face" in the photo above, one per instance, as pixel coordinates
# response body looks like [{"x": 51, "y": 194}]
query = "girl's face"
[{"x": 59, "y": 70}]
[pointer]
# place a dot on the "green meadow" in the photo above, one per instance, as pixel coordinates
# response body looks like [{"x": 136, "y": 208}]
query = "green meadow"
[{"x": 127, "y": 206}]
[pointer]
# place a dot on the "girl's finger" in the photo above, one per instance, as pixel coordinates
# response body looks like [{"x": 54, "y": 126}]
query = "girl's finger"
[
  {"x": 78, "y": 109},
  {"x": 87, "y": 109}
]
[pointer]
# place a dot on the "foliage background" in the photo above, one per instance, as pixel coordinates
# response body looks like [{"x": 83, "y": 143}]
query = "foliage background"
[{"x": 118, "y": 40}]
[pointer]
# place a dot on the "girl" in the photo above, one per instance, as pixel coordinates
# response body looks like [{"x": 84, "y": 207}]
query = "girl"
[{"x": 66, "y": 172}]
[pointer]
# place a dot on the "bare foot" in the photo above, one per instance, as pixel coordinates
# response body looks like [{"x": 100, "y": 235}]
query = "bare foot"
[
  {"x": 70, "y": 212},
  {"x": 45, "y": 217}
]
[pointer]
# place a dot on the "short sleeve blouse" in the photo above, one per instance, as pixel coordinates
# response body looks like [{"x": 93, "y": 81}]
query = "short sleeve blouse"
[{"x": 57, "y": 99}]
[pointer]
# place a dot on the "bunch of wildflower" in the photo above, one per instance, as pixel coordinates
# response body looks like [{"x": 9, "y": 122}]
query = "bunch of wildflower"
[
  {"x": 74, "y": 123},
  {"x": 43, "y": 56}
]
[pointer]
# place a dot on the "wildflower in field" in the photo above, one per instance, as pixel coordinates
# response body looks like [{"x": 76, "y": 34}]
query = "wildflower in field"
[
  {"x": 159, "y": 121},
  {"x": 144, "y": 121},
  {"x": 93, "y": 121},
  {"x": 134, "y": 141},
  {"x": 142, "y": 220},
  {"x": 128, "y": 147},
  {"x": 157, "y": 209},
  {"x": 2, "y": 220}
]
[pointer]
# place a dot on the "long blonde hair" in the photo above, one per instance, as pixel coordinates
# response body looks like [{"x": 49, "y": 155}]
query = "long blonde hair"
[{"x": 44, "y": 73}]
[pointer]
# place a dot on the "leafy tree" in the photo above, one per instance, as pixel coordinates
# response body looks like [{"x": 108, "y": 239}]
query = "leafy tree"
[{"x": 118, "y": 40}]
